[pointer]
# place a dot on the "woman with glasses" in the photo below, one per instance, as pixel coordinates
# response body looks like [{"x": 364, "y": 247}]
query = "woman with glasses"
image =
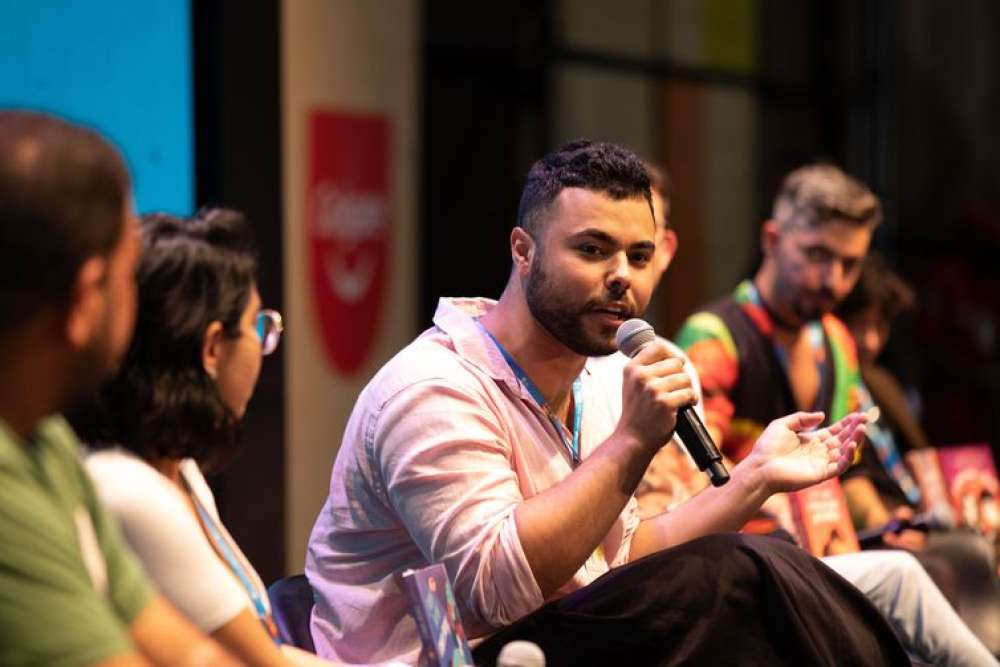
[{"x": 174, "y": 411}]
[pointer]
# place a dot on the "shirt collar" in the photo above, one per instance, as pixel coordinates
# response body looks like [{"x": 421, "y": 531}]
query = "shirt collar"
[
  {"x": 456, "y": 317},
  {"x": 14, "y": 449}
]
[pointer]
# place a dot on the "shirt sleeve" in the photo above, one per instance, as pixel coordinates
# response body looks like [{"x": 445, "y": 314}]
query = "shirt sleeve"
[
  {"x": 710, "y": 348},
  {"x": 163, "y": 531},
  {"x": 50, "y": 611},
  {"x": 447, "y": 467}
]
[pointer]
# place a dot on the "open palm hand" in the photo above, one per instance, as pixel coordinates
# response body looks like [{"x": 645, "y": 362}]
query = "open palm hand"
[{"x": 792, "y": 457}]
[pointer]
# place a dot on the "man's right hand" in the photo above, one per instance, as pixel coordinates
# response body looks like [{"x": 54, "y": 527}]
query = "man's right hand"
[
  {"x": 654, "y": 387},
  {"x": 907, "y": 538}
]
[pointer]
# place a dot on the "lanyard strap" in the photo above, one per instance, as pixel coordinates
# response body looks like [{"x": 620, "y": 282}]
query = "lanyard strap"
[
  {"x": 884, "y": 443},
  {"x": 572, "y": 445},
  {"x": 227, "y": 552},
  {"x": 813, "y": 329}
]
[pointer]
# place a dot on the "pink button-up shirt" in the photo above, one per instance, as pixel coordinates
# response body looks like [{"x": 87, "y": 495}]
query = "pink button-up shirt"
[{"x": 442, "y": 446}]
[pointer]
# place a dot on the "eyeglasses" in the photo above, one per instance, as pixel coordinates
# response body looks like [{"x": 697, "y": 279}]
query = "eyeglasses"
[{"x": 268, "y": 326}]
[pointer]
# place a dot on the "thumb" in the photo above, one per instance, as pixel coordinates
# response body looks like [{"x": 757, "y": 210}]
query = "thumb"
[{"x": 802, "y": 421}]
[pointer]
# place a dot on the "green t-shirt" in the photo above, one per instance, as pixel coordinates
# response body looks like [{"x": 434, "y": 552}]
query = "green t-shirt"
[{"x": 69, "y": 587}]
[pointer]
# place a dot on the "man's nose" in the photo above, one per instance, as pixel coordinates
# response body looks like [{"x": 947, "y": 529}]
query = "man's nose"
[{"x": 619, "y": 275}]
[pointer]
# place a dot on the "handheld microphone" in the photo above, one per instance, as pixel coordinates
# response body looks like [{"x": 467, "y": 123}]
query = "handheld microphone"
[
  {"x": 521, "y": 653},
  {"x": 632, "y": 336}
]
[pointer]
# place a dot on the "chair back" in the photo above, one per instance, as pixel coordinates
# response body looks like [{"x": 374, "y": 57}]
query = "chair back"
[{"x": 291, "y": 606}]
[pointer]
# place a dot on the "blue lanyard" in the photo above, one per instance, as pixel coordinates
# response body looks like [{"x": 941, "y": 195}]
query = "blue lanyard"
[
  {"x": 234, "y": 565},
  {"x": 573, "y": 446},
  {"x": 813, "y": 329}
]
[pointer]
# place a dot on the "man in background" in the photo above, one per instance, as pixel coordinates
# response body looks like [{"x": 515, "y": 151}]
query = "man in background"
[{"x": 774, "y": 346}]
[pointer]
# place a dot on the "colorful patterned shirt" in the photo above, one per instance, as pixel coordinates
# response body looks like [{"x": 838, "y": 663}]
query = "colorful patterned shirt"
[{"x": 744, "y": 374}]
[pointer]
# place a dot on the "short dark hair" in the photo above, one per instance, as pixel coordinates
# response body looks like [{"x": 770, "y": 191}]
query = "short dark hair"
[
  {"x": 660, "y": 183},
  {"x": 878, "y": 286},
  {"x": 821, "y": 192},
  {"x": 598, "y": 166},
  {"x": 63, "y": 193},
  {"x": 162, "y": 403}
]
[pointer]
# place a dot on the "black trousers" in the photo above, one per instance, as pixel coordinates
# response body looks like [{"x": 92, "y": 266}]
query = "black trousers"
[{"x": 727, "y": 599}]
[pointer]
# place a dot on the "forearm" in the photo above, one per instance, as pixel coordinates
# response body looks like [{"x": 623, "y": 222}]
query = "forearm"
[
  {"x": 244, "y": 637},
  {"x": 714, "y": 510},
  {"x": 165, "y": 637},
  {"x": 562, "y": 526}
]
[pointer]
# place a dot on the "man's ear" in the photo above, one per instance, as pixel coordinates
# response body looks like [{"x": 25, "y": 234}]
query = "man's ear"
[
  {"x": 211, "y": 348},
  {"x": 87, "y": 303},
  {"x": 522, "y": 250},
  {"x": 770, "y": 235},
  {"x": 666, "y": 248}
]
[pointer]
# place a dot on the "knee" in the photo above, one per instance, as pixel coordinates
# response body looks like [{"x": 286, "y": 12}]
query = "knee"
[
  {"x": 903, "y": 567},
  {"x": 731, "y": 541}
]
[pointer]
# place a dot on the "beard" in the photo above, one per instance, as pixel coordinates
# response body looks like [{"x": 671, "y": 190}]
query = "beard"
[
  {"x": 562, "y": 318},
  {"x": 812, "y": 307},
  {"x": 97, "y": 363},
  {"x": 801, "y": 304}
]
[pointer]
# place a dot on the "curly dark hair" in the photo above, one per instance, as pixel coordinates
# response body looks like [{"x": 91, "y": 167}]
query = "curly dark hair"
[
  {"x": 162, "y": 404},
  {"x": 607, "y": 168}
]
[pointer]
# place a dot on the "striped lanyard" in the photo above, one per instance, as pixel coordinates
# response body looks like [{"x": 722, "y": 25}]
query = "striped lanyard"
[
  {"x": 814, "y": 330},
  {"x": 884, "y": 443},
  {"x": 572, "y": 445},
  {"x": 234, "y": 564}
]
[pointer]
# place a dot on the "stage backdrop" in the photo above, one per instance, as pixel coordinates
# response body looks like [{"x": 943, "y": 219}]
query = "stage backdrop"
[{"x": 350, "y": 129}]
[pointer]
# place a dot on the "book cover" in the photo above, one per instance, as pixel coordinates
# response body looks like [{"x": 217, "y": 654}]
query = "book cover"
[
  {"x": 970, "y": 476},
  {"x": 926, "y": 469},
  {"x": 823, "y": 521},
  {"x": 432, "y": 604}
]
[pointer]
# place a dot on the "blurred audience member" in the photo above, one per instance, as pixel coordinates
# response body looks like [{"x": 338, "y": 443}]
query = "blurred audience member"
[
  {"x": 174, "y": 409},
  {"x": 880, "y": 487},
  {"x": 70, "y": 591},
  {"x": 881, "y": 492}
]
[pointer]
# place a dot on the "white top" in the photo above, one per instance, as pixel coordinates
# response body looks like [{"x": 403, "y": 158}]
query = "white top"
[{"x": 163, "y": 531}]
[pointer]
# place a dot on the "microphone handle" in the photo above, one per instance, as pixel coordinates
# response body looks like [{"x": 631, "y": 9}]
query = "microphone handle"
[{"x": 700, "y": 446}]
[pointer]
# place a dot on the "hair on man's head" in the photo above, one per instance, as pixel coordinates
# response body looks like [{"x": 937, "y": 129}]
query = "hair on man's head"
[
  {"x": 818, "y": 193},
  {"x": 63, "y": 195},
  {"x": 601, "y": 167},
  {"x": 660, "y": 184}
]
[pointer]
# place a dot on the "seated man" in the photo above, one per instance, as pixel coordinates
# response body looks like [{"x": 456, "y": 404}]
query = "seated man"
[
  {"x": 496, "y": 444},
  {"x": 70, "y": 592},
  {"x": 880, "y": 489},
  {"x": 880, "y": 486},
  {"x": 774, "y": 346}
]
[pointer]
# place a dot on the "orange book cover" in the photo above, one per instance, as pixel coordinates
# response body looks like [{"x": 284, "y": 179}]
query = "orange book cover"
[
  {"x": 823, "y": 521},
  {"x": 934, "y": 496}
]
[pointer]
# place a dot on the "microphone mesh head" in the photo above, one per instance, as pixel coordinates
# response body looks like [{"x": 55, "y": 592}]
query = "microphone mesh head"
[{"x": 632, "y": 335}]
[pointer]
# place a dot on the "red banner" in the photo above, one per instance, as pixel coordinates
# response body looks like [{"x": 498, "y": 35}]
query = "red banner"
[{"x": 348, "y": 218}]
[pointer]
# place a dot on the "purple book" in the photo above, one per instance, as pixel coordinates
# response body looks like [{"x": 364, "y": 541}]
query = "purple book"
[{"x": 432, "y": 604}]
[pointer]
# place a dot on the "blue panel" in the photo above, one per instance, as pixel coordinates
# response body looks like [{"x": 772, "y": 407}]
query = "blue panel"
[{"x": 120, "y": 66}]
